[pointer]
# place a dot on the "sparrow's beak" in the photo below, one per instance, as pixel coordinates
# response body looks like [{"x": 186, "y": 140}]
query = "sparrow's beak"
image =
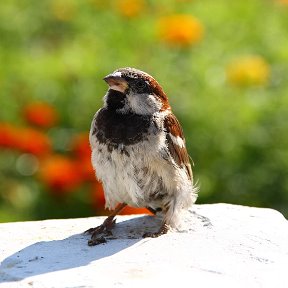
[{"x": 116, "y": 82}]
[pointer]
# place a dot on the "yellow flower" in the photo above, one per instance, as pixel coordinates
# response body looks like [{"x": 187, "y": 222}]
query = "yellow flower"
[
  {"x": 130, "y": 8},
  {"x": 248, "y": 70},
  {"x": 180, "y": 29},
  {"x": 63, "y": 10}
]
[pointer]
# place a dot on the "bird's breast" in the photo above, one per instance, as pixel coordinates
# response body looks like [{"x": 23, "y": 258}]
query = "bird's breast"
[{"x": 116, "y": 129}]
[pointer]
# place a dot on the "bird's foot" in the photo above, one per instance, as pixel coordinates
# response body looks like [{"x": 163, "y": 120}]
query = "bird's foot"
[
  {"x": 163, "y": 230},
  {"x": 98, "y": 233}
]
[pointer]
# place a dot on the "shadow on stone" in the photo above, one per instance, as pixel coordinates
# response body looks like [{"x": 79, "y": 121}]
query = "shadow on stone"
[{"x": 49, "y": 256}]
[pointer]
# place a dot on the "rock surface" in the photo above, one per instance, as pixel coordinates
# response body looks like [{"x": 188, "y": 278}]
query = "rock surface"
[{"x": 220, "y": 245}]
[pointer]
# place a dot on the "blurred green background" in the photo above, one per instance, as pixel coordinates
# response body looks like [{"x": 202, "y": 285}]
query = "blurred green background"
[{"x": 222, "y": 63}]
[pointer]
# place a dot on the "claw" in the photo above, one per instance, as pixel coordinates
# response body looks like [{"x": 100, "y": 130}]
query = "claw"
[
  {"x": 96, "y": 241},
  {"x": 163, "y": 230},
  {"x": 105, "y": 228}
]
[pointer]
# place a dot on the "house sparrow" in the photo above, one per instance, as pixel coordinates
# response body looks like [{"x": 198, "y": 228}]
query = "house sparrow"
[{"x": 139, "y": 153}]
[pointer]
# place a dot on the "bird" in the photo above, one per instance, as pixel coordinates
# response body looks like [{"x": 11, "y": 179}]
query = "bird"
[{"x": 139, "y": 153}]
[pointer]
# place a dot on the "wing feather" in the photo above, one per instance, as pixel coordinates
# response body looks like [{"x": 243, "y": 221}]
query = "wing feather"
[{"x": 176, "y": 143}]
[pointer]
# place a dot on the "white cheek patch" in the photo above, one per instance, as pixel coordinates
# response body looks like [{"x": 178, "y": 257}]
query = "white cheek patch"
[
  {"x": 144, "y": 104},
  {"x": 177, "y": 140},
  {"x": 154, "y": 102}
]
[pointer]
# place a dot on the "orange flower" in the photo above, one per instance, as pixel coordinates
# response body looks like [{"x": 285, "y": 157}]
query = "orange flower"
[
  {"x": 8, "y": 135},
  {"x": 60, "y": 174},
  {"x": 128, "y": 210},
  {"x": 248, "y": 70},
  {"x": 40, "y": 114},
  {"x": 32, "y": 141},
  {"x": 98, "y": 200},
  {"x": 130, "y": 8},
  {"x": 81, "y": 146},
  {"x": 282, "y": 2},
  {"x": 182, "y": 30}
]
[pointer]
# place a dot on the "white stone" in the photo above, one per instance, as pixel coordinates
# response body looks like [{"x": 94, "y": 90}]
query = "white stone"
[{"x": 220, "y": 245}]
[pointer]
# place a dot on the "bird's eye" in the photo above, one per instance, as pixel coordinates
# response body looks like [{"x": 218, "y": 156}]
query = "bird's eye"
[{"x": 141, "y": 85}]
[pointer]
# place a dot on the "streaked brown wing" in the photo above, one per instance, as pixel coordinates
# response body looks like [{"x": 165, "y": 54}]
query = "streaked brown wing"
[{"x": 176, "y": 143}]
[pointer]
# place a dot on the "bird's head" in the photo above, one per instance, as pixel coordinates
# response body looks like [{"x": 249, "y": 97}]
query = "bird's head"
[{"x": 132, "y": 90}]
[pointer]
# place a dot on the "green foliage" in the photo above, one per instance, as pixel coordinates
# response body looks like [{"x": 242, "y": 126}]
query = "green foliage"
[{"x": 59, "y": 51}]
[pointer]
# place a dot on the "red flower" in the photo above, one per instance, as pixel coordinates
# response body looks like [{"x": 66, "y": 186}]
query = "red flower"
[
  {"x": 81, "y": 146},
  {"x": 60, "y": 174},
  {"x": 32, "y": 141},
  {"x": 8, "y": 135},
  {"x": 98, "y": 198},
  {"x": 85, "y": 169},
  {"x": 82, "y": 151},
  {"x": 26, "y": 140},
  {"x": 40, "y": 114}
]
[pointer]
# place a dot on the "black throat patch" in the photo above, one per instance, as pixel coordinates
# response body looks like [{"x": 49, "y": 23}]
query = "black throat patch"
[
  {"x": 115, "y": 128},
  {"x": 115, "y": 99}
]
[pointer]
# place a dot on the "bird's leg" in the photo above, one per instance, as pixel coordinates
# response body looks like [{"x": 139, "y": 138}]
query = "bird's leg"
[
  {"x": 154, "y": 211},
  {"x": 163, "y": 230},
  {"x": 105, "y": 227}
]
